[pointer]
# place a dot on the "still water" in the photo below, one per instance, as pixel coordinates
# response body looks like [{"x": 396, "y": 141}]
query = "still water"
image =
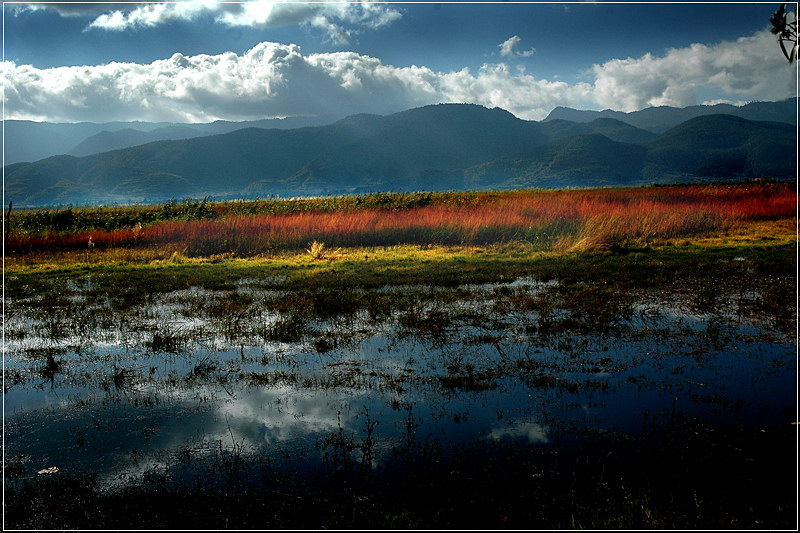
[{"x": 240, "y": 392}]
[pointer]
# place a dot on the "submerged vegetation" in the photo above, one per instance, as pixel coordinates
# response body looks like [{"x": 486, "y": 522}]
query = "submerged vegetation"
[{"x": 612, "y": 358}]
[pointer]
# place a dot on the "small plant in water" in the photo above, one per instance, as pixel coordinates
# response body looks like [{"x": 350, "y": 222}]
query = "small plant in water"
[
  {"x": 51, "y": 368},
  {"x": 316, "y": 250}
]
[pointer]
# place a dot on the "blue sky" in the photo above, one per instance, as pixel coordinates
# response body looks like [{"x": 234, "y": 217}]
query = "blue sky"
[{"x": 260, "y": 59}]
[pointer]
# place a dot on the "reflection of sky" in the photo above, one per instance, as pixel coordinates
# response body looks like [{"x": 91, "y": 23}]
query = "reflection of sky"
[
  {"x": 284, "y": 413},
  {"x": 283, "y": 422},
  {"x": 75, "y": 424},
  {"x": 533, "y": 432},
  {"x": 113, "y": 428}
]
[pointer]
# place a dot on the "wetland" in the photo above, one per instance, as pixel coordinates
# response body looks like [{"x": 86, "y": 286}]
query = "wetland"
[{"x": 652, "y": 385}]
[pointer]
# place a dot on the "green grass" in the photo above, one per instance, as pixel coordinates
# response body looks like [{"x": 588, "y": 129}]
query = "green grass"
[{"x": 668, "y": 268}]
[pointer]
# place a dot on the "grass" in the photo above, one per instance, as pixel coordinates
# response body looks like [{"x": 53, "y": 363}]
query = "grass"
[
  {"x": 581, "y": 220},
  {"x": 439, "y": 239},
  {"x": 152, "y": 271},
  {"x": 592, "y": 286}
]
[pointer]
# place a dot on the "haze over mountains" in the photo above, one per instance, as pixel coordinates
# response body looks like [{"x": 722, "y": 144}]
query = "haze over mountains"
[
  {"x": 29, "y": 141},
  {"x": 660, "y": 119},
  {"x": 442, "y": 147}
]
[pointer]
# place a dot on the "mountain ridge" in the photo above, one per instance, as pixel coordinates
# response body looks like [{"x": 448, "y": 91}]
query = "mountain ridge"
[
  {"x": 445, "y": 146},
  {"x": 30, "y": 141},
  {"x": 660, "y": 119}
]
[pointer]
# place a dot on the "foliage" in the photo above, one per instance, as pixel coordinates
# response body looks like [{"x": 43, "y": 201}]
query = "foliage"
[
  {"x": 786, "y": 29},
  {"x": 67, "y": 220}
]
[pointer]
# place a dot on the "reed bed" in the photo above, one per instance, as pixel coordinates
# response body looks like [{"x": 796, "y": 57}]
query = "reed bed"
[{"x": 575, "y": 220}]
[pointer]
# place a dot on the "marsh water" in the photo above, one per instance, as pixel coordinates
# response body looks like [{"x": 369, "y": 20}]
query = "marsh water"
[{"x": 251, "y": 385}]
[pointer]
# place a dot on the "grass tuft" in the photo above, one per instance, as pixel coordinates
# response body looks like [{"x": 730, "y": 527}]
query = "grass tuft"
[{"x": 316, "y": 250}]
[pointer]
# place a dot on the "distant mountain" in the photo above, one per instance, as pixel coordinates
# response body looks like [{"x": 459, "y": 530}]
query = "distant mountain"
[
  {"x": 106, "y": 141},
  {"x": 29, "y": 141},
  {"x": 363, "y": 151},
  {"x": 724, "y": 146},
  {"x": 581, "y": 160},
  {"x": 25, "y": 140},
  {"x": 660, "y": 119},
  {"x": 430, "y": 139},
  {"x": 447, "y": 146},
  {"x": 615, "y": 130},
  {"x": 714, "y": 147},
  {"x": 288, "y": 123}
]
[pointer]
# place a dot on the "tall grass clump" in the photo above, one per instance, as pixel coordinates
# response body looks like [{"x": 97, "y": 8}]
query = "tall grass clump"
[
  {"x": 70, "y": 220},
  {"x": 316, "y": 250}
]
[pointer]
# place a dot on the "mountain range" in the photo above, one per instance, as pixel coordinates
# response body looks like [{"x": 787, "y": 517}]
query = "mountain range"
[
  {"x": 26, "y": 140},
  {"x": 660, "y": 119},
  {"x": 441, "y": 147}
]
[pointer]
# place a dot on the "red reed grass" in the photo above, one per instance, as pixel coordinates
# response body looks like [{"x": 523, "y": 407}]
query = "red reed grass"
[{"x": 544, "y": 217}]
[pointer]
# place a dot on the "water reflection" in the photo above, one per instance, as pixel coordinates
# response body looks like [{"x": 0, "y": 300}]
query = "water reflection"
[
  {"x": 183, "y": 387},
  {"x": 533, "y": 432}
]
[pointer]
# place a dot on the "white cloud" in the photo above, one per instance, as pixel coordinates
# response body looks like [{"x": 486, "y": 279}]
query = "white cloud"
[
  {"x": 338, "y": 21},
  {"x": 724, "y": 101},
  {"x": 535, "y": 433},
  {"x": 747, "y": 68},
  {"x": 269, "y": 80},
  {"x": 522, "y": 94},
  {"x": 508, "y": 48},
  {"x": 148, "y": 15},
  {"x": 275, "y": 79},
  {"x": 72, "y": 9}
]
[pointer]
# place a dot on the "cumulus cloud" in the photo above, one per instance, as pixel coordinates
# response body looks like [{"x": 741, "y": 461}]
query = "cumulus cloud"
[
  {"x": 338, "y": 21},
  {"x": 748, "y": 68},
  {"x": 72, "y": 9},
  {"x": 277, "y": 80},
  {"x": 718, "y": 101},
  {"x": 269, "y": 80},
  {"x": 508, "y": 48},
  {"x": 494, "y": 85}
]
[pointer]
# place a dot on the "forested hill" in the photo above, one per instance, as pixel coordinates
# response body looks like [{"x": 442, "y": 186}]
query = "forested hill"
[
  {"x": 660, "y": 119},
  {"x": 442, "y": 147}
]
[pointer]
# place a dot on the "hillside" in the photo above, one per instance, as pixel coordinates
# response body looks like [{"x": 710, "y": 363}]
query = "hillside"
[
  {"x": 442, "y": 147},
  {"x": 724, "y": 146},
  {"x": 28, "y": 141},
  {"x": 615, "y": 130},
  {"x": 105, "y": 141},
  {"x": 360, "y": 151},
  {"x": 660, "y": 119},
  {"x": 581, "y": 160}
]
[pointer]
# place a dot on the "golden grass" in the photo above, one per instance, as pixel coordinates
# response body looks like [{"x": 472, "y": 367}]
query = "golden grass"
[{"x": 743, "y": 233}]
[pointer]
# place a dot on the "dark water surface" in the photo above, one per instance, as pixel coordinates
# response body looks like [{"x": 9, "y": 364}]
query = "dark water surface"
[{"x": 229, "y": 389}]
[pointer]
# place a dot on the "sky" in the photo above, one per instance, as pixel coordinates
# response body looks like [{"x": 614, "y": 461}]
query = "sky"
[{"x": 199, "y": 61}]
